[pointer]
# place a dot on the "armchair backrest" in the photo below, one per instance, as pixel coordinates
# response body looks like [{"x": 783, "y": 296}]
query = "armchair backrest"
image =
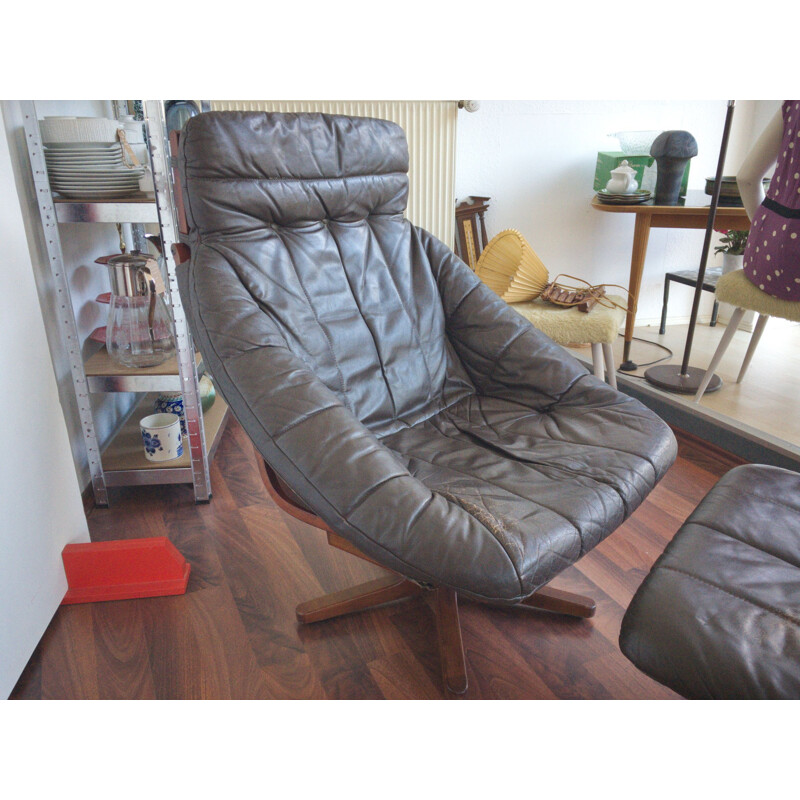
[{"x": 299, "y": 241}]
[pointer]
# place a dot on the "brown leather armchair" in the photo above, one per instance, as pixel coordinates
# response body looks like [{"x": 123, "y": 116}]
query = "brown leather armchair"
[{"x": 397, "y": 403}]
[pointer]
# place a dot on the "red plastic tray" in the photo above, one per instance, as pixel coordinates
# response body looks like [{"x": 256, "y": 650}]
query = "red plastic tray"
[{"x": 123, "y": 569}]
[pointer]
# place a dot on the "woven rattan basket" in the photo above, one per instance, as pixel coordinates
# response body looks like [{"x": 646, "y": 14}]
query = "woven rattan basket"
[{"x": 510, "y": 268}]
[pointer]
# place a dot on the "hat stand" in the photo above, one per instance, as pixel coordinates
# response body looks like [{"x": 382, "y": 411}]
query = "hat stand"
[{"x": 686, "y": 379}]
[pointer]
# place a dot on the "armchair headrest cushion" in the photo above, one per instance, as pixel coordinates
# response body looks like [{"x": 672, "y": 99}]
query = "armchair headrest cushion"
[{"x": 243, "y": 169}]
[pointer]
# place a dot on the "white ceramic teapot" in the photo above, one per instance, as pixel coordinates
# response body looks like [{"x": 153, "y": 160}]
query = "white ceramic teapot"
[{"x": 623, "y": 180}]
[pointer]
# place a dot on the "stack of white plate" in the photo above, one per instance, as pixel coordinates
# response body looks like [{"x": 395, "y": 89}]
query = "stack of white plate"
[
  {"x": 91, "y": 170},
  {"x": 66, "y": 130},
  {"x": 626, "y": 199}
]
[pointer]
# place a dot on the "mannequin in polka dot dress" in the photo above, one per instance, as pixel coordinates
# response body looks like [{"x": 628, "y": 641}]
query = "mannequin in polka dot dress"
[{"x": 772, "y": 255}]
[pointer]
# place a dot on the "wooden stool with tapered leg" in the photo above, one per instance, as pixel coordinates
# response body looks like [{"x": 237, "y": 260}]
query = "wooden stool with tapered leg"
[
  {"x": 736, "y": 289},
  {"x": 396, "y": 587}
]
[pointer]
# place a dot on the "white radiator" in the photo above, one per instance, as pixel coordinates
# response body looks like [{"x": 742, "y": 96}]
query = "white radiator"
[{"x": 430, "y": 126}]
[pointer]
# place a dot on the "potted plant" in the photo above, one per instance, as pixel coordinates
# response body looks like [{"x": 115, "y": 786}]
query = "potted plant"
[{"x": 731, "y": 245}]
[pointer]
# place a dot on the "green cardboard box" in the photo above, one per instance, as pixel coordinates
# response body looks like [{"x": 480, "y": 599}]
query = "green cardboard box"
[{"x": 645, "y": 166}]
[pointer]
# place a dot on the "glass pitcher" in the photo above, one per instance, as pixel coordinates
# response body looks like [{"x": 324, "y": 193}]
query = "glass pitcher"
[{"x": 139, "y": 329}]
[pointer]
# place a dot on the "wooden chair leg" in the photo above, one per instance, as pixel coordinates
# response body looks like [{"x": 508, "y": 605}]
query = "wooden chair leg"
[
  {"x": 611, "y": 370},
  {"x": 451, "y": 647},
  {"x": 751, "y": 348},
  {"x": 358, "y": 598},
  {"x": 597, "y": 360},
  {"x": 561, "y": 602},
  {"x": 730, "y": 329}
]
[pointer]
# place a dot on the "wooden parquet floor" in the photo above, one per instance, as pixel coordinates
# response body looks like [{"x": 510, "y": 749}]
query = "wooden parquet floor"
[{"x": 234, "y": 635}]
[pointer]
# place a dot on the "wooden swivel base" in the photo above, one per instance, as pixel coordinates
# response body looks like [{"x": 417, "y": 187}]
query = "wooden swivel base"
[
  {"x": 445, "y": 604},
  {"x": 396, "y": 587}
]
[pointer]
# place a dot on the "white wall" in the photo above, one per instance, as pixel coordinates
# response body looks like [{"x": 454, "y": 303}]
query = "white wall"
[
  {"x": 40, "y": 502},
  {"x": 536, "y": 160}
]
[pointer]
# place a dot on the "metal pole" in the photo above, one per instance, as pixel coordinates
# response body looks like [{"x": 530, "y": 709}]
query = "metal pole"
[
  {"x": 68, "y": 323},
  {"x": 187, "y": 368},
  {"x": 712, "y": 215},
  {"x": 686, "y": 379}
]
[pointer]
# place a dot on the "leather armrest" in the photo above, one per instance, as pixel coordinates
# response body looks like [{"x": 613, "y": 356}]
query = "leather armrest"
[{"x": 504, "y": 355}]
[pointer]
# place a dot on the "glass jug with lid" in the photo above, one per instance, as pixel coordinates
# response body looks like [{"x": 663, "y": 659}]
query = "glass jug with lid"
[{"x": 139, "y": 329}]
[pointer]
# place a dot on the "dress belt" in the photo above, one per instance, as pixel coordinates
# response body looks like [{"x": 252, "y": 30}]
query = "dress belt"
[{"x": 783, "y": 211}]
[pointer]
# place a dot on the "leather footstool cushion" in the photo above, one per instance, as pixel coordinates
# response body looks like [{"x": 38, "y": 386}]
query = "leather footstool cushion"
[{"x": 719, "y": 614}]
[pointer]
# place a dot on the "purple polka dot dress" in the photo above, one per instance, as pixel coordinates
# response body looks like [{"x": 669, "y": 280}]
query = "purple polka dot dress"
[{"x": 772, "y": 255}]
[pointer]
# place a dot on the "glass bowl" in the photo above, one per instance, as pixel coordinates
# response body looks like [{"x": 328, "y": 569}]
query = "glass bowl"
[{"x": 635, "y": 142}]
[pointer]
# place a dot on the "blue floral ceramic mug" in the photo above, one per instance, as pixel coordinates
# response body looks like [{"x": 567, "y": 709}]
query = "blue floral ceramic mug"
[
  {"x": 171, "y": 403},
  {"x": 161, "y": 437}
]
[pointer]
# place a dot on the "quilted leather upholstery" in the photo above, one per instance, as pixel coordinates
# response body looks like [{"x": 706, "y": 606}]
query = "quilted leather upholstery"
[
  {"x": 718, "y": 616},
  {"x": 399, "y": 398}
]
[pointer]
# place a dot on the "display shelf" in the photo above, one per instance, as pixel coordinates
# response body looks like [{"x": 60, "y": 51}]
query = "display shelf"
[
  {"x": 98, "y": 373},
  {"x": 139, "y": 208},
  {"x": 103, "y": 374},
  {"x": 124, "y": 461}
]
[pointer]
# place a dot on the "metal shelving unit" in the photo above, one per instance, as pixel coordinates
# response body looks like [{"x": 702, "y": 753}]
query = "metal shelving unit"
[{"x": 122, "y": 462}]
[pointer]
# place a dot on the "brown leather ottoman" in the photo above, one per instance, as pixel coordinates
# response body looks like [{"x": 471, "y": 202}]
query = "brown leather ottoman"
[{"x": 719, "y": 614}]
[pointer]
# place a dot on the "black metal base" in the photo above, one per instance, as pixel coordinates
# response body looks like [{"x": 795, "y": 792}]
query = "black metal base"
[
  {"x": 669, "y": 378},
  {"x": 628, "y": 366}
]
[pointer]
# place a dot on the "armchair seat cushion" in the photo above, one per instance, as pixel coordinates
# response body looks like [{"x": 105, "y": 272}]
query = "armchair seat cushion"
[{"x": 548, "y": 486}]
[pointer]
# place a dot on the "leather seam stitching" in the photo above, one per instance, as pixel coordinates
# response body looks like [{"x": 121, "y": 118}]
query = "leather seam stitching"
[
  {"x": 728, "y": 535},
  {"x": 462, "y": 300},
  {"x": 499, "y": 357},
  {"x": 719, "y": 588},
  {"x": 363, "y": 318},
  {"x": 461, "y": 344},
  {"x": 558, "y": 399},
  {"x": 760, "y": 497},
  {"x": 359, "y": 501},
  {"x": 558, "y": 468},
  {"x": 503, "y": 488},
  {"x": 409, "y": 316},
  {"x": 502, "y": 546},
  {"x": 321, "y": 327},
  {"x": 499, "y": 486},
  {"x": 265, "y": 179},
  {"x": 435, "y": 412},
  {"x": 300, "y": 421}
]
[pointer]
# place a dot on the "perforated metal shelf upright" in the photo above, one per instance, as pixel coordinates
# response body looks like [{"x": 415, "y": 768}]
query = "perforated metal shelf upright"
[{"x": 121, "y": 462}]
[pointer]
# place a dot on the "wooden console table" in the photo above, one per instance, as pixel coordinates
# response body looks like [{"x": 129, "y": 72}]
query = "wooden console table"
[{"x": 691, "y": 213}]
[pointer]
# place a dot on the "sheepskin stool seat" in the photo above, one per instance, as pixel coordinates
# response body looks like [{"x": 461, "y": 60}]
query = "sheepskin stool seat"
[
  {"x": 568, "y": 326},
  {"x": 735, "y": 288}
]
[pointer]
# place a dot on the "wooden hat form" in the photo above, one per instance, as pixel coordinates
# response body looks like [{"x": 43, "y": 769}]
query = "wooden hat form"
[{"x": 510, "y": 268}]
